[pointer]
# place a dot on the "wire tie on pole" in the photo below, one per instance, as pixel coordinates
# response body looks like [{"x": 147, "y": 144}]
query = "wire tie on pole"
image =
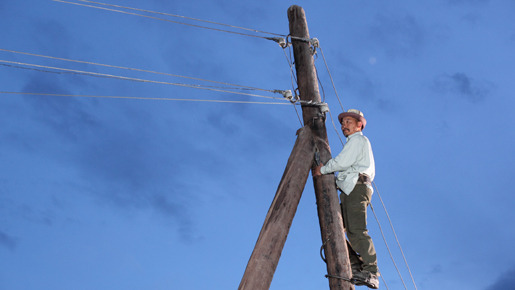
[
  {"x": 338, "y": 277},
  {"x": 299, "y": 38},
  {"x": 322, "y": 248},
  {"x": 312, "y": 103}
]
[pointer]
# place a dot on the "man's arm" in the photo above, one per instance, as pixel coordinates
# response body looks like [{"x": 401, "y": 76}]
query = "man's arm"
[{"x": 344, "y": 160}]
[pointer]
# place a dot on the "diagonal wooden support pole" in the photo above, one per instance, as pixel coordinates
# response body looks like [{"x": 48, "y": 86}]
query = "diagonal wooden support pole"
[{"x": 265, "y": 257}]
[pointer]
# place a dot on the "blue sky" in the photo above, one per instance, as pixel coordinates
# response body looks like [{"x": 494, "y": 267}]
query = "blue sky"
[{"x": 105, "y": 193}]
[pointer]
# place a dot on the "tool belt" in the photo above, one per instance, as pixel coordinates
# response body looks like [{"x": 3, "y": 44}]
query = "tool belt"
[{"x": 364, "y": 179}]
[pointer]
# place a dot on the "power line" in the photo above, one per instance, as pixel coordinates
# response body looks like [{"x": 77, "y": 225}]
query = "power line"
[
  {"x": 396, "y": 238},
  {"x": 163, "y": 19},
  {"x": 292, "y": 77},
  {"x": 134, "y": 69},
  {"x": 387, "y": 247},
  {"x": 137, "y": 79},
  {"x": 286, "y": 94},
  {"x": 180, "y": 16},
  {"x": 331, "y": 77},
  {"x": 336, "y": 130},
  {"x": 141, "y": 98}
]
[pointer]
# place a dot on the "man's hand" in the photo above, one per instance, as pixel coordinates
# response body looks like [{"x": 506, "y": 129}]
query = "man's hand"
[{"x": 316, "y": 170}]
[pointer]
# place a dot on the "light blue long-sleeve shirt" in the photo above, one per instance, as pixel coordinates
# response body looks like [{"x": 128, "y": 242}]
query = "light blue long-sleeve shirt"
[{"x": 356, "y": 157}]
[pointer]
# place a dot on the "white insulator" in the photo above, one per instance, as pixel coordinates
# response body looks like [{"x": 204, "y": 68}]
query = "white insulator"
[
  {"x": 324, "y": 108},
  {"x": 314, "y": 41},
  {"x": 287, "y": 94},
  {"x": 282, "y": 43}
]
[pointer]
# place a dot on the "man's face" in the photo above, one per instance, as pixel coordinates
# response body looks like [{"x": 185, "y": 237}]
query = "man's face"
[{"x": 350, "y": 126}]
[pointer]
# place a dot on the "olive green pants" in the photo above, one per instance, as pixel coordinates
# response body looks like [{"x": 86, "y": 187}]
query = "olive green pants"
[{"x": 354, "y": 207}]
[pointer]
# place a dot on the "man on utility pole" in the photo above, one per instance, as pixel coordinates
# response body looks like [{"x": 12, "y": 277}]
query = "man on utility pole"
[
  {"x": 356, "y": 170},
  {"x": 312, "y": 141}
]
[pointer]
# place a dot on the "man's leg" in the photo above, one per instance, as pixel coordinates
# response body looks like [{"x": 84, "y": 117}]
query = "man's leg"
[
  {"x": 355, "y": 216},
  {"x": 355, "y": 260}
]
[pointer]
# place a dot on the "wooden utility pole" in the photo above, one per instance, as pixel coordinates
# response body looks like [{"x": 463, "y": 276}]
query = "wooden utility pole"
[
  {"x": 265, "y": 257},
  {"x": 328, "y": 204}
]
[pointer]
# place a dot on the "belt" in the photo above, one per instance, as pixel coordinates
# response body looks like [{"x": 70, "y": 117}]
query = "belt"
[{"x": 364, "y": 179}]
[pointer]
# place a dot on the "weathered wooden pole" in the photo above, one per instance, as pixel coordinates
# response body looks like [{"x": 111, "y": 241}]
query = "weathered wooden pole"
[
  {"x": 328, "y": 204},
  {"x": 265, "y": 257}
]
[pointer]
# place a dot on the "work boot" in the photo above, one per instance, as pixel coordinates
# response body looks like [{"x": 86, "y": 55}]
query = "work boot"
[
  {"x": 366, "y": 278},
  {"x": 356, "y": 268}
]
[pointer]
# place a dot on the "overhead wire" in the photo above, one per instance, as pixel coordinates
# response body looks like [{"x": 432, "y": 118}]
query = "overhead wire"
[
  {"x": 282, "y": 42},
  {"x": 335, "y": 129},
  {"x": 292, "y": 77},
  {"x": 396, "y": 238},
  {"x": 180, "y": 16},
  {"x": 387, "y": 247},
  {"x": 167, "y": 20},
  {"x": 182, "y": 23},
  {"x": 132, "y": 79},
  {"x": 141, "y": 98},
  {"x": 157, "y": 18},
  {"x": 320, "y": 85},
  {"x": 132, "y": 69},
  {"x": 384, "y": 282},
  {"x": 59, "y": 70},
  {"x": 331, "y": 77}
]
